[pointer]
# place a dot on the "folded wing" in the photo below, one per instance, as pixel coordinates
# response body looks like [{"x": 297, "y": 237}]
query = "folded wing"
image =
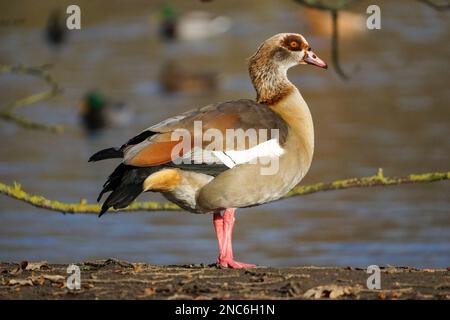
[{"x": 223, "y": 135}]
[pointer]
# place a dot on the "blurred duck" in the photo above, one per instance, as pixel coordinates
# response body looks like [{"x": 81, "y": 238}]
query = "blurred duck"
[
  {"x": 349, "y": 24},
  {"x": 56, "y": 31},
  {"x": 196, "y": 25},
  {"x": 97, "y": 113},
  {"x": 174, "y": 78},
  {"x": 230, "y": 176}
]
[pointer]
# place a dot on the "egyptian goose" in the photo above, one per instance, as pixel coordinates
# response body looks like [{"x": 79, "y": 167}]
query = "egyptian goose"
[{"x": 225, "y": 177}]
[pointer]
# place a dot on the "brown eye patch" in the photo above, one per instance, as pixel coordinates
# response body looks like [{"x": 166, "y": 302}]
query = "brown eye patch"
[{"x": 293, "y": 43}]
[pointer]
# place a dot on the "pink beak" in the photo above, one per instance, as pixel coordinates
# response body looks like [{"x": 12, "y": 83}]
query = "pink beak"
[{"x": 311, "y": 58}]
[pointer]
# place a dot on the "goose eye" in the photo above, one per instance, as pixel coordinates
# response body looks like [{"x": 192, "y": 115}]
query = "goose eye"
[
  {"x": 309, "y": 49},
  {"x": 293, "y": 44}
]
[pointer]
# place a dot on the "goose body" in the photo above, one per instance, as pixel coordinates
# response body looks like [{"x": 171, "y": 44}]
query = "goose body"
[{"x": 248, "y": 152}]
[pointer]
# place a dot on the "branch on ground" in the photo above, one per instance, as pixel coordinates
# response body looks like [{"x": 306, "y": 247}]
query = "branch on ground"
[{"x": 16, "y": 192}]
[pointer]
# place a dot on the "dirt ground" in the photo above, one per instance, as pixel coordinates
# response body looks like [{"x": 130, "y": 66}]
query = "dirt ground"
[{"x": 113, "y": 279}]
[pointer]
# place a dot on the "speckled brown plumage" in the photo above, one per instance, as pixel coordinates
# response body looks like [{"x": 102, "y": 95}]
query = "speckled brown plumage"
[{"x": 267, "y": 69}]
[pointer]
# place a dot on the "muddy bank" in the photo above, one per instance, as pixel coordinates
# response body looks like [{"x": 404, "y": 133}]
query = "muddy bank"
[{"x": 113, "y": 279}]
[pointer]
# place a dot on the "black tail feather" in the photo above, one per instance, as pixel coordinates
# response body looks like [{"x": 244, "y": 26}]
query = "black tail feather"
[
  {"x": 126, "y": 183},
  {"x": 103, "y": 210},
  {"x": 109, "y": 153},
  {"x": 114, "y": 179},
  {"x": 121, "y": 197}
]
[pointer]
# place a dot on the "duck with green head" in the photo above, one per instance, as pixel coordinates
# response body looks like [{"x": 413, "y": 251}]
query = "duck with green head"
[
  {"x": 93, "y": 115},
  {"x": 98, "y": 112}
]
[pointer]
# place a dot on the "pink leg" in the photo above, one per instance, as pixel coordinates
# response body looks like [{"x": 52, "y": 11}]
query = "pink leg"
[
  {"x": 224, "y": 230},
  {"x": 218, "y": 227}
]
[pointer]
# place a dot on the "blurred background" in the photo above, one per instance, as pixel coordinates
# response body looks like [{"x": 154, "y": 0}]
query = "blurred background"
[{"x": 135, "y": 63}]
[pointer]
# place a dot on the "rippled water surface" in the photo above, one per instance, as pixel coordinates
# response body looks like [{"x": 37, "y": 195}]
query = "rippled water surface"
[{"x": 393, "y": 113}]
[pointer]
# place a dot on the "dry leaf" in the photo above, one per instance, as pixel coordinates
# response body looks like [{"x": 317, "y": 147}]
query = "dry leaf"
[
  {"x": 329, "y": 291},
  {"x": 20, "y": 282},
  {"x": 16, "y": 270},
  {"x": 41, "y": 265}
]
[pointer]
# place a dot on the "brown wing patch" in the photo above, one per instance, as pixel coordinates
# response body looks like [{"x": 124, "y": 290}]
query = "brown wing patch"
[
  {"x": 159, "y": 151},
  {"x": 154, "y": 154},
  {"x": 162, "y": 181}
]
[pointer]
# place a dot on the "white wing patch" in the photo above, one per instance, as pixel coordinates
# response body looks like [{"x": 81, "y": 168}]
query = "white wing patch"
[
  {"x": 266, "y": 149},
  {"x": 197, "y": 155}
]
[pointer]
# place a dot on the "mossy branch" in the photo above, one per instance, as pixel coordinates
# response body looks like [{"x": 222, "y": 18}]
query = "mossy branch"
[
  {"x": 371, "y": 181},
  {"x": 16, "y": 192},
  {"x": 8, "y": 114}
]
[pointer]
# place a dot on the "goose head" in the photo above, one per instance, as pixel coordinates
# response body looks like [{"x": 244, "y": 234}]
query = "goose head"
[
  {"x": 268, "y": 66},
  {"x": 287, "y": 50}
]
